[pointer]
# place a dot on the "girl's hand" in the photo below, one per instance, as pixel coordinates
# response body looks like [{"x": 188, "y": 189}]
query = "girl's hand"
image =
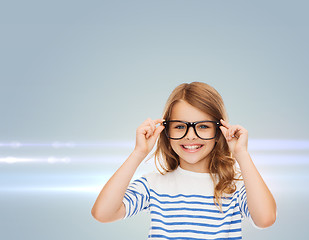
[
  {"x": 146, "y": 136},
  {"x": 236, "y": 137}
]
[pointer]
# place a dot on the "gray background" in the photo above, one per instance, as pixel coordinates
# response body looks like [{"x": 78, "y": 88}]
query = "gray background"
[{"x": 78, "y": 77}]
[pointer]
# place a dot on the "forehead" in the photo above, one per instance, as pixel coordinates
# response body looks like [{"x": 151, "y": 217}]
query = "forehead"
[{"x": 186, "y": 112}]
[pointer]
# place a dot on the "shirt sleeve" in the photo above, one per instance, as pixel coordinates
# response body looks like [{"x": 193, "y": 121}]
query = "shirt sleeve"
[
  {"x": 244, "y": 206},
  {"x": 242, "y": 199},
  {"x": 136, "y": 197}
]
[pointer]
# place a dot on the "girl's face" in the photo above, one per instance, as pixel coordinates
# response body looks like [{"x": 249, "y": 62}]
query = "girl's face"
[{"x": 193, "y": 152}]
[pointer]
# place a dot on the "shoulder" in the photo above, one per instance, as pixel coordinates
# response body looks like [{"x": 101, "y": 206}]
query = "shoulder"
[
  {"x": 239, "y": 182},
  {"x": 240, "y": 189},
  {"x": 153, "y": 177},
  {"x": 162, "y": 182}
]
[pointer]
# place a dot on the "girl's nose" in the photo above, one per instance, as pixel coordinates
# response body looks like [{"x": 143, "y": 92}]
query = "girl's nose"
[{"x": 191, "y": 134}]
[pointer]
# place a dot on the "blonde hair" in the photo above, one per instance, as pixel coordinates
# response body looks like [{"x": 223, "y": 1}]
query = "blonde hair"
[{"x": 221, "y": 165}]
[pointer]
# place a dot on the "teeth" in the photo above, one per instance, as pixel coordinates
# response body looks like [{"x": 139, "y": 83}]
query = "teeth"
[{"x": 192, "y": 146}]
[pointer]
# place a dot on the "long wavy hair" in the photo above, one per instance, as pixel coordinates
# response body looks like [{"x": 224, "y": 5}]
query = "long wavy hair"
[{"x": 221, "y": 165}]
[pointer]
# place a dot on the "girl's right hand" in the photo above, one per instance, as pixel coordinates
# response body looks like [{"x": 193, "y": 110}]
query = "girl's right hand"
[{"x": 146, "y": 136}]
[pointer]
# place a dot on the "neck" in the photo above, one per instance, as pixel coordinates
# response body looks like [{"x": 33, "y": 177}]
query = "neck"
[{"x": 199, "y": 168}]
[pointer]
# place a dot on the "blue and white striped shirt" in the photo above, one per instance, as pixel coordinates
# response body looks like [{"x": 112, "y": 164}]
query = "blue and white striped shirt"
[{"x": 181, "y": 205}]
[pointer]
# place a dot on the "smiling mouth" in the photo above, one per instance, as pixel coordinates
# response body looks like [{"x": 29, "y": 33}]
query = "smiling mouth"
[{"x": 192, "y": 147}]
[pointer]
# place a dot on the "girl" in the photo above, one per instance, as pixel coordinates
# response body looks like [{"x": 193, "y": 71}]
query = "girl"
[{"x": 198, "y": 193}]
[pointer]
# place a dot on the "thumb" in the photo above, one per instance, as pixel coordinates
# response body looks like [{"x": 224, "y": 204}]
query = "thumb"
[
  {"x": 154, "y": 137},
  {"x": 223, "y": 130},
  {"x": 158, "y": 130}
]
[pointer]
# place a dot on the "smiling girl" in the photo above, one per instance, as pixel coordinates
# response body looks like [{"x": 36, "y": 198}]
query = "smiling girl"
[{"x": 198, "y": 193}]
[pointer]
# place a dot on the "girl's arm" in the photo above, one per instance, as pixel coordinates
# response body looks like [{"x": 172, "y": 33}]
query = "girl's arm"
[
  {"x": 108, "y": 206},
  {"x": 261, "y": 203}
]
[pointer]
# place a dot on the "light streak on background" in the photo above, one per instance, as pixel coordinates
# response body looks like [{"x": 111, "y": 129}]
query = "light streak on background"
[
  {"x": 254, "y": 144},
  {"x": 107, "y": 144},
  {"x": 88, "y": 173}
]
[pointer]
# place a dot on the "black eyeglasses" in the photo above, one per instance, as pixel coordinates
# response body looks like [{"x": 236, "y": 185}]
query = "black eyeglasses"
[{"x": 206, "y": 130}]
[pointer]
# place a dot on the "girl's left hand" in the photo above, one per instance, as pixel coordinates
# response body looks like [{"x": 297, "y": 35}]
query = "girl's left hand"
[{"x": 236, "y": 137}]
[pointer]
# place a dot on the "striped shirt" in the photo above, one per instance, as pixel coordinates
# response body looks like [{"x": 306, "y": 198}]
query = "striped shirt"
[{"x": 181, "y": 205}]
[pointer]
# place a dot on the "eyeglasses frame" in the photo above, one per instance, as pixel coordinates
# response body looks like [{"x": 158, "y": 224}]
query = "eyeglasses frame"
[{"x": 190, "y": 124}]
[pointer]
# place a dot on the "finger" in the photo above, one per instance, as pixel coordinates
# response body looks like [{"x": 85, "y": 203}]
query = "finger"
[
  {"x": 158, "y": 130},
  {"x": 236, "y": 131},
  {"x": 148, "y": 135},
  {"x": 159, "y": 120},
  {"x": 156, "y": 123},
  {"x": 225, "y": 124},
  {"x": 147, "y": 131},
  {"x": 142, "y": 127},
  {"x": 240, "y": 131},
  {"x": 148, "y": 123},
  {"x": 152, "y": 124},
  {"x": 156, "y": 134},
  {"x": 231, "y": 132},
  {"x": 223, "y": 130},
  {"x": 144, "y": 124}
]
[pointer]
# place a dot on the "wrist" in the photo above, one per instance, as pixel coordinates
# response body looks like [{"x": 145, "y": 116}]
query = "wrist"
[
  {"x": 139, "y": 155},
  {"x": 239, "y": 156}
]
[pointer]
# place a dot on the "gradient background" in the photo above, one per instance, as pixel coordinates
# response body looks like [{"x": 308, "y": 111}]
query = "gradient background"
[{"x": 78, "y": 77}]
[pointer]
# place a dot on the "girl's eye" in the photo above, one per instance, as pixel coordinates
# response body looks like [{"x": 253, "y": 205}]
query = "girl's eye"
[
  {"x": 203, "y": 126},
  {"x": 180, "y": 127}
]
